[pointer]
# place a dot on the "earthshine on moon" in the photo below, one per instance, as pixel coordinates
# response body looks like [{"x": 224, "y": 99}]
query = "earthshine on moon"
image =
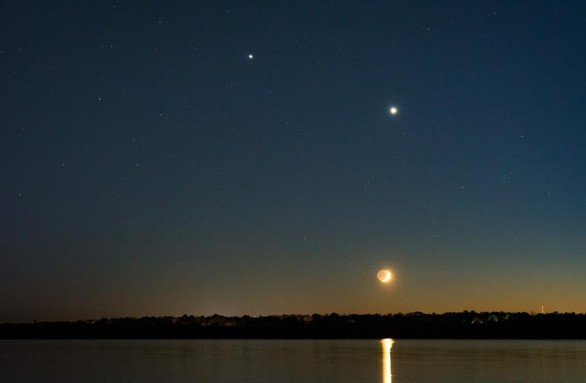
[{"x": 384, "y": 276}]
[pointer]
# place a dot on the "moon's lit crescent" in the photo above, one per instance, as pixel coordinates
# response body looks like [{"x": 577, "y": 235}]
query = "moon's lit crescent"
[{"x": 384, "y": 276}]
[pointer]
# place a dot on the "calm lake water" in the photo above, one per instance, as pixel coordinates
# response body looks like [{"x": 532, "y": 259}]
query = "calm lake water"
[{"x": 401, "y": 361}]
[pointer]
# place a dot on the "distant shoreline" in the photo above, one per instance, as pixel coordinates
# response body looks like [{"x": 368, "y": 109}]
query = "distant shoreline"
[{"x": 460, "y": 325}]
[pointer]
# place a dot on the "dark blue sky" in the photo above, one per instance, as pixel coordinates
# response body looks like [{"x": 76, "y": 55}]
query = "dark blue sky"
[{"x": 149, "y": 167}]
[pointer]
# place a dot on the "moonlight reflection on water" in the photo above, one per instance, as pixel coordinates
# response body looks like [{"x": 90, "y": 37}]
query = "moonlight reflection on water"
[{"x": 387, "y": 344}]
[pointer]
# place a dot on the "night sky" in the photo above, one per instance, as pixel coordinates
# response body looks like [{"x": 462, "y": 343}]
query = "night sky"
[{"x": 150, "y": 166}]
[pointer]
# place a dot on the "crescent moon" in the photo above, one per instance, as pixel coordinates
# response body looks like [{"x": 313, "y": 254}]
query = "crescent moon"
[{"x": 384, "y": 276}]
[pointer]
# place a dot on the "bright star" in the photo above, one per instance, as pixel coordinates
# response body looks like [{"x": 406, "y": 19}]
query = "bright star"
[
  {"x": 250, "y": 56},
  {"x": 393, "y": 110}
]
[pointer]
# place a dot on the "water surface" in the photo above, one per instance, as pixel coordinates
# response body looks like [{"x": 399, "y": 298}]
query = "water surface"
[{"x": 386, "y": 361}]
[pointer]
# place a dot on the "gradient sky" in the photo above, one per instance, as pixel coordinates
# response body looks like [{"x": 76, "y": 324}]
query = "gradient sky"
[{"x": 149, "y": 167}]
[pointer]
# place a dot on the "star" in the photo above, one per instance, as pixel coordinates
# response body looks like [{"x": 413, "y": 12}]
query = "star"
[
  {"x": 250, "y": 56},
  {"x": 393, "y": 110}
]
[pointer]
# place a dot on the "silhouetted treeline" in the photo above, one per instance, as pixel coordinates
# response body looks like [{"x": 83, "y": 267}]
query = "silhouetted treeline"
[{"x": 465, "y": 325}]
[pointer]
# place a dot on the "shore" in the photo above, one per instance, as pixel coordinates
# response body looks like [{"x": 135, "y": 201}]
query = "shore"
[{"x": 462, "y": 325}]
